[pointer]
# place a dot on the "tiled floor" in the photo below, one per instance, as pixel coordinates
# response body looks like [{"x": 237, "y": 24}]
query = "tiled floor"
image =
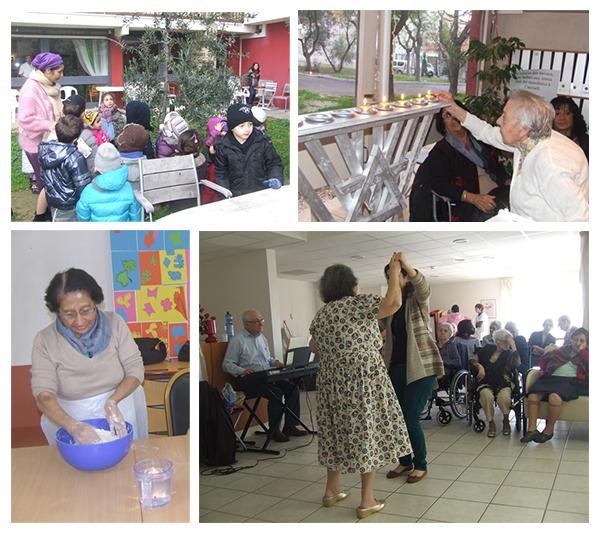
[{"x": 471, "y": 478}]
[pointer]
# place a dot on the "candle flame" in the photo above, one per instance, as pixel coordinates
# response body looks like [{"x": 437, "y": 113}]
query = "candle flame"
[
  {"x": 364, "y": 101},
  {"x": 402, "y": 96}
]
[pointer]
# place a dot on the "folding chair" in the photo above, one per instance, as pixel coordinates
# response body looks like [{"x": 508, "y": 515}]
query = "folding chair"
[
  {"x": 267, "y": 94},
  {"x": 285, "y": 96},
  {"x": 168, "y": 179}
]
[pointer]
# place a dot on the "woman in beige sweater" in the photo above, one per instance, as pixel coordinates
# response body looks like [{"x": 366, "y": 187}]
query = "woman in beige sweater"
[{"x": 86, "y": 364}]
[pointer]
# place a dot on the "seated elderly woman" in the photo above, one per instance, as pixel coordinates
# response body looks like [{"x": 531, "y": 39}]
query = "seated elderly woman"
[
  {"x": 452, "y": 169},
  {"x": 569, "y": 121},
  {"x": 86, "y": 364},
  {"x": 465, "y": 332},
  {"x": 539, "y": 340},
  {"x": 565, "y": 377},
  {"x": 494, "y": 364},
  {"x": 449, "y": 353},
  {"x": 521, "y": 344},
  {"x": 550, "y": 172},
  {"x": 489, "y": 339}
]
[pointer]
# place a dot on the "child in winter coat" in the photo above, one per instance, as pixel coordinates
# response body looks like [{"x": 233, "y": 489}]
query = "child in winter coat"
[
  {"x": 138, "y": 112},
  {"x": 190, "y": 142},
  {"x": 246, "y": 161},
  {"x": 217, "y": 129},
  {"x": 91, "y": 119},
  {"x": 170, "y": 130},
  {"x": 86, "y": 143},
  {"x": 109, "y": 197},
  {"x": 112, "y": 118},
  {"x": 64, "y": 170}
]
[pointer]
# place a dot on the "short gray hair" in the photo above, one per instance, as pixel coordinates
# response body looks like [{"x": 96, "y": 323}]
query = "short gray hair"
[
  {"x": 496, "y": 323},
  {"x": 501, "y": 335},
  {"x": 449, "y": 326},
  {"x": 534, "y": 113}
]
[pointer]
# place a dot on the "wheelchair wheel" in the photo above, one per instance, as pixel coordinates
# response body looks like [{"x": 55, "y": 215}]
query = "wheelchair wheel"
[
  {"x": 479, "y": 426},
  {"x": 459, "y": 397},
  {"x": 444, "y": 417}
]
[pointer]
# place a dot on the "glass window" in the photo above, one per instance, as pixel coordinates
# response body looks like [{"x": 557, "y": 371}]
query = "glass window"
[{"x": 20, "y": 49}]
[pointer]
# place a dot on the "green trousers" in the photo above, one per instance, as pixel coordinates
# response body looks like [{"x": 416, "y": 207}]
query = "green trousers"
[{"x": 412, "y": 398}]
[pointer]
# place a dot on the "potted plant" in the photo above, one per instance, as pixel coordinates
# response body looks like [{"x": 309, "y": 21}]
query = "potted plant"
[{"x": 496, "y": 74}]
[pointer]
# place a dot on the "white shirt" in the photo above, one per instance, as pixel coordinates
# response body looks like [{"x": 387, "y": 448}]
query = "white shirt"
[
  {"x": 552, "y": 184},
  {"x": 25, "y": 70},
  {"x": 247, "y": 351}
]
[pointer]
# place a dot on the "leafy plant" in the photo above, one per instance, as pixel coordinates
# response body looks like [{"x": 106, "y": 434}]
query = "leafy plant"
[{"x": 496, "y": 74}]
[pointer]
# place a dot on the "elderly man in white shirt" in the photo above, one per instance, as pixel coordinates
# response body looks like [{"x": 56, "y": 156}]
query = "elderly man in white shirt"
[
  {"x": 248, "y": 352},
  {"x": 550, "y": 172}
]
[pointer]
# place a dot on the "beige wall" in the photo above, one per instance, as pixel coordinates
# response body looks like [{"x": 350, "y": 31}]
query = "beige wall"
[
  {"x": 36, "y": 257},
  {"x": 547, "y": 30},
  {"x": 242, "y": 282},
  {"x": 466, "y": 295},
  {"x": 298, "y": 303}
]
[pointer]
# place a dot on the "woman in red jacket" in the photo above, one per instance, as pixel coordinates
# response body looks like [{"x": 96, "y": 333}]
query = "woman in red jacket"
[{"x": 565, "y": 376}]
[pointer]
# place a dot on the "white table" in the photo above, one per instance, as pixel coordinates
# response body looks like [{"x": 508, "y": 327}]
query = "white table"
[
  {"x": 108, "y": 89},
  {"x": 269, "y": 206}
]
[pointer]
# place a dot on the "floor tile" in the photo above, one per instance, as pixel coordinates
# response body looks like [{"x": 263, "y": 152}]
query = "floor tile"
[
  {"x": 449, "y": 472},
  {"x": 279, "y": 469},
  {"x": 288, "y": 511},
  {"x": 217, "y": 498},
  {"x": 425, "y": 487},
  {"x": 576, "y": 455},
  {"x": 217, "y": 516},
  {"x": 500, "y": 462},
  {"x": 522, "y": 497},
  {"x": 332, "y": 515},
  {"x": 536, "y": 465},
  {"x": 561, "y": 517},
  {"x": 250, "y": 505},
  {"x": 446, "y": 510},
  {"x": 310, "y": 473},
  {"x": 571, "y": 483},
  {"x": 506, "y": 513},
  {"x": 407, "y": 504},
  {"x": 282, "y": 488},
  {"x": 381, "y": 518},
  {"x": 454, "y": 459},
  {"x": 313, "y": 493},
  {"x": 541, "y": 480},
  {"x": 574, "y": 468},
  {"x": 475, "y": 474},
  {"x": 476, "y": 492},
  {"x": 571, "y": 502}
]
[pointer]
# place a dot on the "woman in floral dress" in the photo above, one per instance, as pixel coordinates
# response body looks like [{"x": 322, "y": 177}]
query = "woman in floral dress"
[{"x": 361, "y": 427}]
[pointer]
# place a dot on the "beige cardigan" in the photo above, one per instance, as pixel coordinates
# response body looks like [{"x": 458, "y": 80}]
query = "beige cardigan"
[{"x": 422, "y": 355}]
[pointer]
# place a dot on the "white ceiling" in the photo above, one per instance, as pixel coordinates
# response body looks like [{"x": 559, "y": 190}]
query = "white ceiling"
[{"x": 441, "y": 255}]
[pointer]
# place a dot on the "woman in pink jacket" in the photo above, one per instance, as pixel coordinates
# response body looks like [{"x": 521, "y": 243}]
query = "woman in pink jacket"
[{"x": 40, "y": 107}]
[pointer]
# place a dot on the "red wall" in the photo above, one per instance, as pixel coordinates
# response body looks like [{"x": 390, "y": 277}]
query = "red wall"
[
  {"x": 116, "y": 69},
  {"x": 271, "y": 52},
  {"x": 25, "y": 417}
]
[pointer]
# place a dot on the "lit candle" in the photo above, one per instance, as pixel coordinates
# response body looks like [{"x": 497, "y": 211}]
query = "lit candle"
[
  {"x": 428, "y": 94},
  {"x": 419, "y": 96},
  {"x": 364, "y": 107},
  {"x": 402, "y": 96}
]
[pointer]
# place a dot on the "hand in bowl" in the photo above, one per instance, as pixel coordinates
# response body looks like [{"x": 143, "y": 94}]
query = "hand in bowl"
[
  {"x": 84, "y": 433},
  {"x": 116, "y": 422}
]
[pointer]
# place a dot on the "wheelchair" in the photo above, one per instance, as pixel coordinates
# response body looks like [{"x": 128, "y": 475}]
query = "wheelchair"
[
  {"x": 474, "y": 407},
  {"x": 451, "y": 398}
]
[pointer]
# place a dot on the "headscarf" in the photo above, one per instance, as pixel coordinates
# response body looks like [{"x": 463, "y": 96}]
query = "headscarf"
[
  {"x": 47, "y": 60},
  {"x": 138, "y": 113}
]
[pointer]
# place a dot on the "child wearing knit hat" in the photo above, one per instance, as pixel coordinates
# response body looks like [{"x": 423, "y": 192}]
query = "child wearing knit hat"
[
  {"x": 246, "y": 161},
  {"x": 92, "y": 121},
  {"x": 109, "y": 197}
]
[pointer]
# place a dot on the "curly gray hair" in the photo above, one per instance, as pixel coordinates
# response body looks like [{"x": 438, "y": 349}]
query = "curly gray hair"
[
  {"x": 501, "y": 335},
  {"x": 534, "y": 113}
]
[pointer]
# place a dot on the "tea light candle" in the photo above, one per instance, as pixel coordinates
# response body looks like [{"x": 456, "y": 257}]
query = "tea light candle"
[
  {"x": 402, "y": 97},
  {"x": 419, "y": 96},
  {"x": 429, "y": 94},
  {"x": 365, "y": 107}
]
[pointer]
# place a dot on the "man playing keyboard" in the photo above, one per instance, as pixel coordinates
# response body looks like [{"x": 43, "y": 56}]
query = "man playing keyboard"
[{"x": 248, "y": 352}]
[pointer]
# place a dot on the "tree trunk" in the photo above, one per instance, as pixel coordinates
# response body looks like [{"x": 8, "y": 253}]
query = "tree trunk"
[
  {"x": 418, "y": 62},
  {"x": 453, "y": 69}
]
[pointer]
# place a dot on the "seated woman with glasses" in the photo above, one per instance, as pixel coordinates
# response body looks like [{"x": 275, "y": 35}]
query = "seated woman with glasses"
[
  {"x": 452, "y": 169},
  {"x": 86, "y": 364}
]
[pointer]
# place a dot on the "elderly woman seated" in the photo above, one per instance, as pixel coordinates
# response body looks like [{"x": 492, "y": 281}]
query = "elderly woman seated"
[
  {"x": 565, "y": 377},
  {"x": 489, "y": 339},
  {"x": 449, "y": 353},
  {"x": 494, "y": 364},
  {"x": 550, "y": 171},
  {"x": 452, "y": 170}
]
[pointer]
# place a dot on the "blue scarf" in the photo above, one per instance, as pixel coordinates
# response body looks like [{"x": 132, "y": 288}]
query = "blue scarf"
[
  {"x": 477, "y": 156},
  {"x": 94, "y": 341}
]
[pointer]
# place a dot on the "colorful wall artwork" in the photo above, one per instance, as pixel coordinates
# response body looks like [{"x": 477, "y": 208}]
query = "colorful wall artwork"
[{"x": 150, "y": 272}]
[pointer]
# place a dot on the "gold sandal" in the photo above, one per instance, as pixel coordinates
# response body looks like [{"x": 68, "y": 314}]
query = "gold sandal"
[{"x": 330, "y": 501}]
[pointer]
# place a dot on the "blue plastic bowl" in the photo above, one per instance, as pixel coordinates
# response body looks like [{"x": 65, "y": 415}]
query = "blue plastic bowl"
[{"x": 94, "y": 456}]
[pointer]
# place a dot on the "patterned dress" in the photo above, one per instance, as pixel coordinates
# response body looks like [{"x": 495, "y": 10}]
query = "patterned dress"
[{"x": 361, "y": 426}]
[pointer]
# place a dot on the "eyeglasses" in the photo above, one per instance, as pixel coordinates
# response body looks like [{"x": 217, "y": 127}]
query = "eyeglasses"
[
  {"x": 84, "y": 312},
  {"x": 258, "y": 321}
]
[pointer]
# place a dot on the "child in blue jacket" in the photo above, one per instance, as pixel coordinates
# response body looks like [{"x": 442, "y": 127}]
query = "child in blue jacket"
[{"x": 109, "y": 197}]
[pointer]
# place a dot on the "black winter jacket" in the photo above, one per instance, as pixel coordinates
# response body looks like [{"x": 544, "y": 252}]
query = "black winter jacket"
[
  {"x": 64, "y": 173},
  {"x": 243, "y": 173}
]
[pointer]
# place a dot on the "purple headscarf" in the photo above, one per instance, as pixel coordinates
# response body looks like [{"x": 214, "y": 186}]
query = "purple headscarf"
[{"x": 47, "y": 60}]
